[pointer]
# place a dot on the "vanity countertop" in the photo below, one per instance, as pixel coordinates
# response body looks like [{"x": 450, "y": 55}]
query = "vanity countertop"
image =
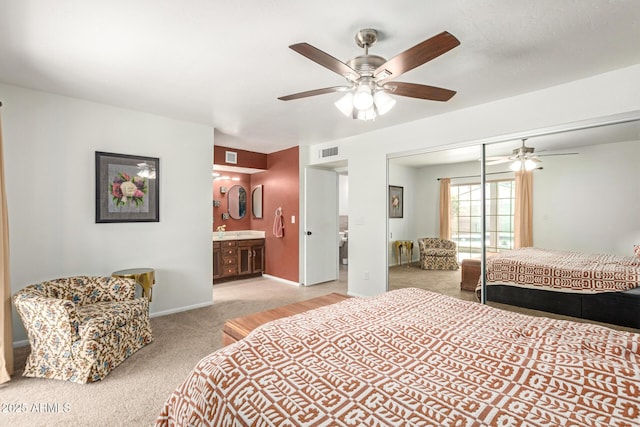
[{"x": 238, "y": 235}]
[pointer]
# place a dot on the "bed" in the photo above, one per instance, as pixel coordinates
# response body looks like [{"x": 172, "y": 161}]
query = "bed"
[
  {"x": 601, "y": 287},
  {"x": 414, "y": 357}
]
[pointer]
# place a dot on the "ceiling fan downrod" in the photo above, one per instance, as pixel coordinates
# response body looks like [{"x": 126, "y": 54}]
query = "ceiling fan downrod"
[{"x": 365, "y": 38}]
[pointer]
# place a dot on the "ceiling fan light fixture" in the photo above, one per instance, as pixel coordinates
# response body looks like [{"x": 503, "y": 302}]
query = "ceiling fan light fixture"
[
  {"x": 383, "y": 101},
  {"x": 369, "y": 114},
  {"x": 362, "y": 98},
  {"x": 345, "y": 104},
  {"x": 361, "y": 104},
  {"x": 529, "y": 165}
]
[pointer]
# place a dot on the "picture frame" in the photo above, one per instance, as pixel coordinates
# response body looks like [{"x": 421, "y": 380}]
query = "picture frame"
[
  {"x": 396, "y": 201},
  {"x": 127, "y": 188}
]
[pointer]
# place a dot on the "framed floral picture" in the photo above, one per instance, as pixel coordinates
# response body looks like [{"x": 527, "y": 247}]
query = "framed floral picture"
[
  {"x": 395, "y": 201},
  {"x": 127, "y": 188}
]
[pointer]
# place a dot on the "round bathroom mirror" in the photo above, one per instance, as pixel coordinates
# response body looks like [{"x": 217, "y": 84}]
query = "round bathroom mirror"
[{"x": 237, "y": 199}]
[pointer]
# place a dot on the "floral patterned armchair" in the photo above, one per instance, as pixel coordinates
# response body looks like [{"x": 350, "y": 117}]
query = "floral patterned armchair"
[
  {"x": 438, "y": 254},
  {"x": 80, "y": 328}
]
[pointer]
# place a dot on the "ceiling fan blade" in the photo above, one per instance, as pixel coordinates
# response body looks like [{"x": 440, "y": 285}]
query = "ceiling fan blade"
[
  {"x": 313, "y": 92},
  {"x": 326, "y": 60},
  {"x": 416, "y": 56},
  {"x": 414, "y": 90},
  {"x": 557, "y": 154}
]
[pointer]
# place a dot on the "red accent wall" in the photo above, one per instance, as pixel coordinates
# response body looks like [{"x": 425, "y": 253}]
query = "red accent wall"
[
  {"x": 281, "y": 188},
  {"x": 246, "y": 159}
]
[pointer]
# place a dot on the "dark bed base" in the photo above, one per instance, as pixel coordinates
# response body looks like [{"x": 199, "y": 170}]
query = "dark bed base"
[{"x": 617, "y": 308}]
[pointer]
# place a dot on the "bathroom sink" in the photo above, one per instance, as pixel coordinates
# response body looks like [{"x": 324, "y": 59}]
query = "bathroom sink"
[{"x": 238, "y": 235}]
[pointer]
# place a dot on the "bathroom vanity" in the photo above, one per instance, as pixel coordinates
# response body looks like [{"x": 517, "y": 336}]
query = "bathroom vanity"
[{"x": 237, "y": 255}]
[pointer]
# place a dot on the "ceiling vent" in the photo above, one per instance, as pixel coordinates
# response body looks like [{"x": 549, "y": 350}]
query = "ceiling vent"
[{"x": 328, "y": 152}]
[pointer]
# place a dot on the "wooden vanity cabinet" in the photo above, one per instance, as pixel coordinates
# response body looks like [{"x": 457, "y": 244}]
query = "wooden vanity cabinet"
[
  {"x": 217, "y": 261},
  {"x": 229, "y": 249},
  {"x": 250, "y": 256},
  {"x": 237, "y": 259}
]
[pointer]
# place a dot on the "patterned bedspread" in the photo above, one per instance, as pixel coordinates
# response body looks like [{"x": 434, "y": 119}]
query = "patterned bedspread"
[
  {"x": 415, "y": 358},
  {"x": 563, "y": 271}
]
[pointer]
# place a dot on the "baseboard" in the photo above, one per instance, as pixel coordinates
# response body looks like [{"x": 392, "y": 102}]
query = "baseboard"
[
  {"x": 180, "y": 309},
  {"x": 395, "y": 264},
  {"x": 280, "y": 279}
]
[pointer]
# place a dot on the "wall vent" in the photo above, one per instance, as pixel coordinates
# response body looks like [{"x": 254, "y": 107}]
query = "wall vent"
[
  {"x": 328, "y": 152},
  {"x": 231, "y": 157}
]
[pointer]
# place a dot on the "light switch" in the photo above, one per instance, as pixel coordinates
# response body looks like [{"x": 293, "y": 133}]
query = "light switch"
[{"x": 293, "y": 219}]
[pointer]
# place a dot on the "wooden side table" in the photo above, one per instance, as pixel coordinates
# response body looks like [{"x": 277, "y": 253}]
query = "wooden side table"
[
  {"x": 470, "y": 274},
  {"x": 406, "y": 245},
  {"x": 145, "y": 277},
  {"x": 238, "y": 328}
]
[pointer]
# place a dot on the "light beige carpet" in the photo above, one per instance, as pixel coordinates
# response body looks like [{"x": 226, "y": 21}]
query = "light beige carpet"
[{"x": 133, "y": 394}]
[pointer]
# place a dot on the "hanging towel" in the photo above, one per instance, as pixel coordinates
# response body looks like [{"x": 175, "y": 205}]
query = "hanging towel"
[{"x": 278, "y": 224}]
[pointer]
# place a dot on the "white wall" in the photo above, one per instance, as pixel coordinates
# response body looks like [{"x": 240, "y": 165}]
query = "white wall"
[
  {"x": 607, "y": 94},
  {"x": 589, "y": 202},
  {"x": 49, "y": 147},
  {"x": 405, "y": 228}
]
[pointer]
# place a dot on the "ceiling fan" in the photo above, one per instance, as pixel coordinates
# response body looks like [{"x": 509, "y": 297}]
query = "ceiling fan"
[
  {"x": 523, "y": 157},
  {"x": 369, "y": 77}
]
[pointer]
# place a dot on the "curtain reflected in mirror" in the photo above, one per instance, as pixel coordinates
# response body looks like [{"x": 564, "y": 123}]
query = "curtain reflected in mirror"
[{"x": 237, "y": 201}]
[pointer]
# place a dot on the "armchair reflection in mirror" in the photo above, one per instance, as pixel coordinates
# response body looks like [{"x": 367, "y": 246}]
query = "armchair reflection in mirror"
[
  {"x": 237, "y": 200},
  {"x": 256, "y": 202}
]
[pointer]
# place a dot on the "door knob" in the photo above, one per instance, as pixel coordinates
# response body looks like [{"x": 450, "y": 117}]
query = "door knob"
[{"x": 308, "y": 233}]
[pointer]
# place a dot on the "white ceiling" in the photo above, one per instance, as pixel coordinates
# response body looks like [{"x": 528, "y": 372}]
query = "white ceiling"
[{"x": 224, "y": 63}]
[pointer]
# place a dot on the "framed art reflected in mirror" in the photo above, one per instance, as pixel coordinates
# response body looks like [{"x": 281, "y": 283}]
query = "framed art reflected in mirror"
[{"x": 395, "y": 201}]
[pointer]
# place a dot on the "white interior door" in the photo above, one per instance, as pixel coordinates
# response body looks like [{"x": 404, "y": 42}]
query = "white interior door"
[{"x": 320, "y": 226}]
